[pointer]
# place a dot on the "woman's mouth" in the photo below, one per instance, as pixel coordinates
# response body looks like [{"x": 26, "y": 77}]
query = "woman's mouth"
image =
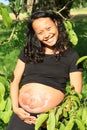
[{"x": 50, "y": 39}]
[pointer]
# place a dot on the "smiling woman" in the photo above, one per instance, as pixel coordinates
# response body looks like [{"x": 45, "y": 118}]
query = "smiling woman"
[
  {"x": 5, "y": 2},
  {"x": 44, "y": 66}
]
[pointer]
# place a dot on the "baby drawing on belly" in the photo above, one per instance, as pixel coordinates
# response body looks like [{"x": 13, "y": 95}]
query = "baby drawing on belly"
[
  {"x": 37, "y": 98},
  {"x": 31, "y": 101}
]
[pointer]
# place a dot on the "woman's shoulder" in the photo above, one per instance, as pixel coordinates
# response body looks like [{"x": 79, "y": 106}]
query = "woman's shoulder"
[
  {"x": 22, "y": 56},
  {"x": 71, "y": 55},
  {"x": 71, "y": 52}
]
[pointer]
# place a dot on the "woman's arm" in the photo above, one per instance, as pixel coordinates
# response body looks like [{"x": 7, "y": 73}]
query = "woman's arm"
[
  {"x": 76, "y": 81},
  {"x": 14, "y": 86},
  {"x": 14, "y": 93},
  {"x": 14, "y": 89}
]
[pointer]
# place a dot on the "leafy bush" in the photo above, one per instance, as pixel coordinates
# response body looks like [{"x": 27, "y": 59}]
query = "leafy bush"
[
  {"x": 70, "y": 115},
  {"x": 5, "y": 101}
]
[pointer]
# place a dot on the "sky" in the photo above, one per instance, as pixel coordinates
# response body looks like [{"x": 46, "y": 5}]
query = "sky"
[{"x": 6, "y": 2}]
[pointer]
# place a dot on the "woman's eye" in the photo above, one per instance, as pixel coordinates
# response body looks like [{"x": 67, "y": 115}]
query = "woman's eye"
[
  {"x": 40, "y": 33},
  {"x": 48, "y": 28}
]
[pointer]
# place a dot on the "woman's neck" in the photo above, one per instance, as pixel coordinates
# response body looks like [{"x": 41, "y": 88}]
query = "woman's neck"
[{"x": 51, "y": 51}]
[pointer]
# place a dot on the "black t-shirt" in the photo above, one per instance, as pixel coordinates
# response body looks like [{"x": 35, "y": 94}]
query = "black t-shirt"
[{"x": 51, "y": 72}]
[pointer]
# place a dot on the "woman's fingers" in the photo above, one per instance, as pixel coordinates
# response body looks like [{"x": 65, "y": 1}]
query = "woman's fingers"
[
  {"x": 22, "y": 114},
  {"x": 30, "y": 120},
  {"x": 25, "y": 116}
]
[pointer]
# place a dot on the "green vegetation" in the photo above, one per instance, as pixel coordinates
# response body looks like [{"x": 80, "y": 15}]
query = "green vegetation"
[
  {"x": 80, "y": 22},
  {"x": 4, "y": 33},
  {"x": 70, "y": 115},
  {"x": 79, "y": 18},
  {"x": 78, "y": 11}
]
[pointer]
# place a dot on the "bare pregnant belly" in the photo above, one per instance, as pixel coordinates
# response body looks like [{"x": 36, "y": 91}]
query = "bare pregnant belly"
[{"x": 37, "y": 98}]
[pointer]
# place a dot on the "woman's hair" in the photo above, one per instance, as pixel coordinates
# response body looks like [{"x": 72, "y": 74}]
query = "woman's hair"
[{"x": 34, "y": 49}]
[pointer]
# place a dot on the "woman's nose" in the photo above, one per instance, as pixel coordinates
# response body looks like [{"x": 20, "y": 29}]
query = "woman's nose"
[{"x": 46, "y": 34}]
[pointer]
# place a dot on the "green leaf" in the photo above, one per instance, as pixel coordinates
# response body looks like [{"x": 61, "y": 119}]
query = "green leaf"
[
  {"x": 2, "y": 104},
  {"x": 68, "y": 25},
  {"x": 40, "y": 120},
  {"x": 71, "y": 33},
  {"x": 79, "y": 112},
  {"x": 5, "y": 116},
  {"x": 65, "y": 114},
  {"x": 69, "y": 125},
  {"x": 2, "y": 90},
  {"x": 80, "y": 124},
  {"x": 84, "y": 115},
  {"x": 57, "y": 115},
  {"x": 8, "y": 104},
  {"x": 18, "y": 3},
  {"x": 6, "y": 18},
  {"x": 74, "y": 98},
  {"x": 81, "y": 59},
  {"x": 62, "y": 126},
  {"x": 73, "y": 37},
  {"x": 51, "y": 121}
]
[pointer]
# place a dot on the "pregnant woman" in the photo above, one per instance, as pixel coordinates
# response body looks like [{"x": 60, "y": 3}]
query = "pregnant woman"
[{"x": 43, "y": 68}]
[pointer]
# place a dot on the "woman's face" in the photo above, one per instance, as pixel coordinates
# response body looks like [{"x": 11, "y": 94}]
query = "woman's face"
[{"x": 46, "y": 30}]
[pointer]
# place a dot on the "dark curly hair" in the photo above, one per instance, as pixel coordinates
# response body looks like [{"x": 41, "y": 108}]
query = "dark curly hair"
[{"x": 34, "y": 49}]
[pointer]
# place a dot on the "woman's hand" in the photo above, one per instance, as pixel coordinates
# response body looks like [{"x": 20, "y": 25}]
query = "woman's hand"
[
  {"x": 25, "y": 116},
  {"x": 21, "y": 113},
  {"x": 30, "y": 120}
]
